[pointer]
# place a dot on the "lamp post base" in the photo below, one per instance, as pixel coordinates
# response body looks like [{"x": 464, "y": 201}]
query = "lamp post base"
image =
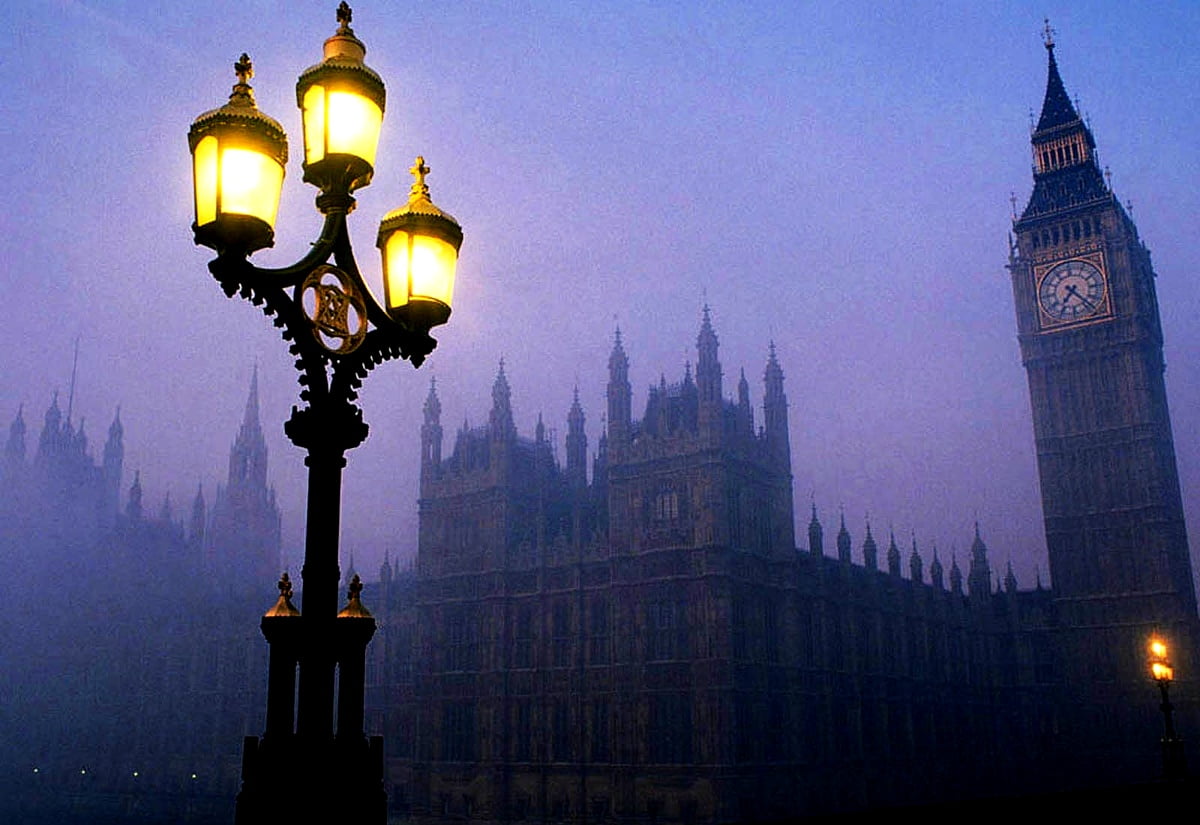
[
  {"x": 326, "y": 781},
  {"x": 1174, "y": 760}
]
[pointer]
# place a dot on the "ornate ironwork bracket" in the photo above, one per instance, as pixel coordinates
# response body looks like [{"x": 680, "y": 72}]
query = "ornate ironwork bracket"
[{"x": 334, "y": 326}]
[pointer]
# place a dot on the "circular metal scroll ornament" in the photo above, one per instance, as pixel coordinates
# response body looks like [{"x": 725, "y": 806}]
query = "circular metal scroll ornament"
[{"x": 336, "y": 309}]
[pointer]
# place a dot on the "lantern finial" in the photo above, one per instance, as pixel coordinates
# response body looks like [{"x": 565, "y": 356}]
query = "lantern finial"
[
  {"x": 420, "y": 189},
  {"x": 243, "y": 94},
  {"x": 344, "y": 15}
]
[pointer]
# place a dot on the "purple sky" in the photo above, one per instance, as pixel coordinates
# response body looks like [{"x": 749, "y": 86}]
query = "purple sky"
[{"x": 833, "y": 176}]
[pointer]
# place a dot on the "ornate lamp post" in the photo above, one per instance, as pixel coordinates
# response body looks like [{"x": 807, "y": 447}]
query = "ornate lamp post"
[
  {"x": 1174, "y": 764},
  {"x": 338, "y": 333}
]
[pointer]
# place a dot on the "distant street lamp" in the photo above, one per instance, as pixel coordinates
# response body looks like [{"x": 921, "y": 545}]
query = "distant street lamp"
[
  {"x": 1174, "y": 761},
  {"x": 338, "y": 332}
]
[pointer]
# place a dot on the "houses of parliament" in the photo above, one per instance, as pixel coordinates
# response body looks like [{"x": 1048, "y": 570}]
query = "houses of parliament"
[{"x": 638, "y": 636}]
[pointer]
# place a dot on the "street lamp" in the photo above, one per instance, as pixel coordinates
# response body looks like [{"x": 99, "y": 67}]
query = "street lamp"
[
  {"x": 1161, "y": 670},
  {"x": 338, "y": 333}
]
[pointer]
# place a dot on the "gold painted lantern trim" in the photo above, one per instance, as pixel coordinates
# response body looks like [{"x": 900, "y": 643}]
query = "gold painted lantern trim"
[
  {"x": 238, "y": 160},
  {"x": 342, "y": 101},
  {"x": 420, "y": 244}
]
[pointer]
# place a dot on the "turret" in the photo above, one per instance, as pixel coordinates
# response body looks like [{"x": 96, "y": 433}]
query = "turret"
[
  {"x": 14, "y": 448},
  {"x": 935, "y": 571},
  {"x": 576, "y": 445},
  {"x": 956, "y": 580},
  {"x": 870, "y": 551},
  {"x": 133, "y": 509},
  {"x": 843, "y": 541},
  {"x": 431, "y": 433},
  {"x": 500, "y": 419},
  {"x": 816, "y": 536},
  {"x": 893, "y": 555},
  {"x": 915, "y": 571},
  {"x": 248, "y": 455},
  {"x": 979, "y": 574},
  {"x": 385, "y": 570},
  {"x": 775, "y": 413},
  {"x": 114, "y": 458},
  {"x": 48, "y": 441},
  {"x": 708, "y": 378},
  {"x": 745, "y": 413},
  {"x": 619, "y": 397},
  {"x": 199, "y": 514}
]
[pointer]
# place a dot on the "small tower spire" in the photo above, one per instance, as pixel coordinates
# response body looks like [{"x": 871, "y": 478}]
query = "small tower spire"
[
  {"x": 431, "y": 433},
  {"x": 576, "y": 443},
  {"x": 915, "y": 566},
  {"x": 979, "y": 574},
  {"x": 935, "y": 571},
  {"x": 501, "y": 418},
  {"x": 199, "y": 514},
  {"x": 956, "y": 580},
  {"x": 816, "y": 536},
  {"x": 619, "y": 397},
  {"x": 133, "y": 510},
  {"x": 14, "y": 449},
  {"x": 843, "y": 540},
  {"x": 893, "y": 554},
  {"x": 869, "y": 550},
  {"x": 775, "y": 412},
  {"x": 708, "y": 377}
]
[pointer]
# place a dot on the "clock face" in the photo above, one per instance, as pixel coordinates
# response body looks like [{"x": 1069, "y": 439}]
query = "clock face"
[{"x": 1072, "y": 291}]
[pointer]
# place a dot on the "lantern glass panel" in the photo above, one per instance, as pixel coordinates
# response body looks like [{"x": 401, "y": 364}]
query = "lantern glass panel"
[
  {"x": 419, "y": 266},
  {"x": 205, "y": 174},
  {"x": 250, "y": 184},
  {"x": 340, "y": 122}
]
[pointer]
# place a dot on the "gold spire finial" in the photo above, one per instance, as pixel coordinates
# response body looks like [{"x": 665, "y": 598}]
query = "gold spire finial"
[
  {"x": 244, "y": 69},
  {"x": 284, "y": 606},
  {"x": 1048, "y": 35},
  {"x": 242, "y": 94},
  {"x": 354, "y": 607},
  {"x": 420, "y": 190},
  {"x": 344, "y": 14}
]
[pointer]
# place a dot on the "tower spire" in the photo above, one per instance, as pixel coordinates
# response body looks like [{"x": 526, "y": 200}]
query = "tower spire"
[{"x": 1057, "y": 109}]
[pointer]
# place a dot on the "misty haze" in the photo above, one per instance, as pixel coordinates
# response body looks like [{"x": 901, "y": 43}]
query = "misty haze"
[{"x": 798, "y": 445}]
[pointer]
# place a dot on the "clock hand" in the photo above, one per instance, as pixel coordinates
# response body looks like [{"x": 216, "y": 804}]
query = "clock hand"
[{"x": 1072, "y": 290}]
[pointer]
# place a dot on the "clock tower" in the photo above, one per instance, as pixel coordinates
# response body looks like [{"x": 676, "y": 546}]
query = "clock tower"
[{"x": 1092, "y": 345}]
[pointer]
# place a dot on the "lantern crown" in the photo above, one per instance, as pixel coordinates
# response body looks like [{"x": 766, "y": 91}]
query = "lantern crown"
[
  {"x": 241, "y": 112},
  {"x": 344, "y": 54},
  {"x": 419, "y": 202}
]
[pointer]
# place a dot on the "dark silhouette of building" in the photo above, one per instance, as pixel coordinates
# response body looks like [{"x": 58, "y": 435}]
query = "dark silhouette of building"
[
  {"x": 1091, "y": 341},
  {"x": 650, "y": 645},
  {"x": 242, "y": 538},
  {"x": 641, "y": 640},
  {"x": 131, "y": 667}
]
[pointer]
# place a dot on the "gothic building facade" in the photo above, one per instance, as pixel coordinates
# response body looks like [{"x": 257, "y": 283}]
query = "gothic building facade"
[
  {"x": 646, "y": 642},
  {"x": 132, "y": 666}
]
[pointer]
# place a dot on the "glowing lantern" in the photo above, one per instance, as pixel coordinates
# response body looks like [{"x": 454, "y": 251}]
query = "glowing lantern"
[
  {"x": 341, "y": 100},
  {"x": 420, "y": 244},
  {"x": 238, "y": 156}
]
